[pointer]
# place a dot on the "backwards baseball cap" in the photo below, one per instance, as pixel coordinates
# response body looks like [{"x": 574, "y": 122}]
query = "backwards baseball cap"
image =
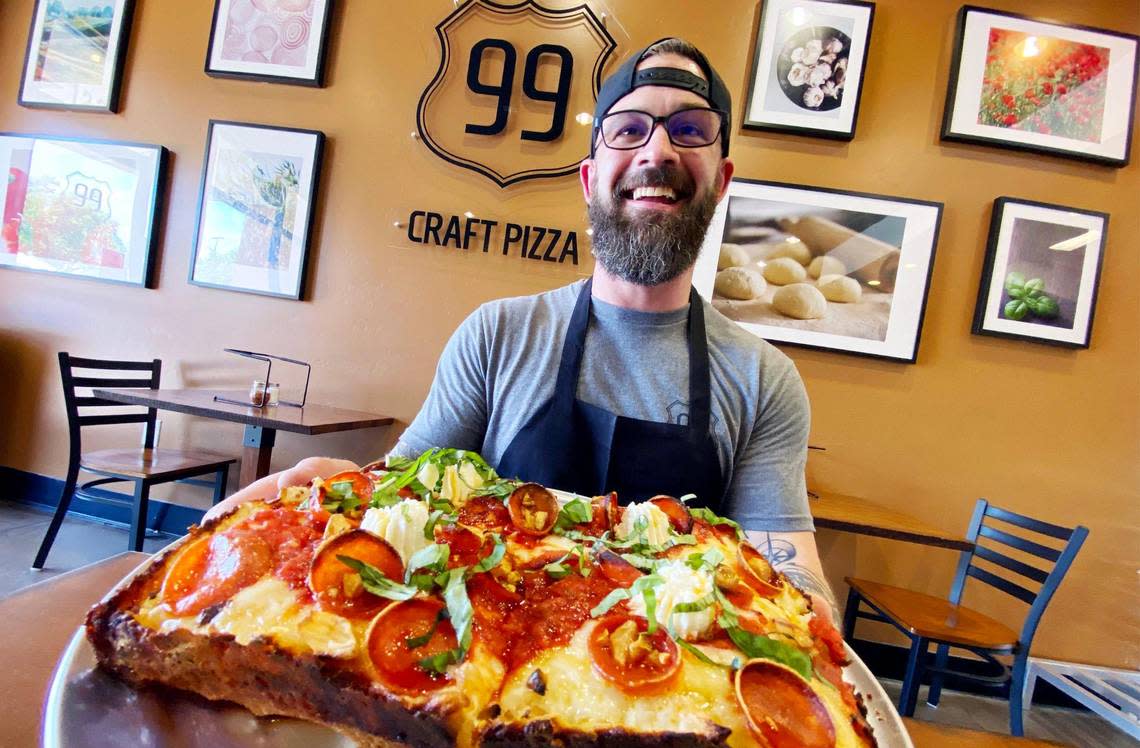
[{"x": 627, "y": 77}]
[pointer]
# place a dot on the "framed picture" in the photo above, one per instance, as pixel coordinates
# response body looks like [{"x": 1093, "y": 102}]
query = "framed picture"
[
  {"x": 807, "y": 70},
  {"x": 1020, "y": 83},
  {"x": 255, "y": 208},
  {"x": 1041, "y": 273},
  {"x": 84, "y": 208},
  {"x": 274, "y": 41},
  {"x": 75, "y": 54},
  {"x": 821, "y": 268}
]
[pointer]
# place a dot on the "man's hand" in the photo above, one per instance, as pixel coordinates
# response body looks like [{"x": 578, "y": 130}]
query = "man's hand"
[
  {"x": 267, "y": 487},
  {"x": 795, "y": 554}
]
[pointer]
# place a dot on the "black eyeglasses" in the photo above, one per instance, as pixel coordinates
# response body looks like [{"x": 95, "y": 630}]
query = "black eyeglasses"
[{"x": 686, "y": 128}]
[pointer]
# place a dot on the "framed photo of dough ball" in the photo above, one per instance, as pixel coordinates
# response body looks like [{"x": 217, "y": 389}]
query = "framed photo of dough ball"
[
  {"x": 255, "y": 208},
  {"x": 808, "y": 65},
  {"x": 1041, "y": 273},
  {"x": 76, "y": 50},
  {"x": 821, "y": 268},
  {"x": 81, "y": 208},
  {"x": 272, "y": 41},
  {"x": 1020, "y": 83}
]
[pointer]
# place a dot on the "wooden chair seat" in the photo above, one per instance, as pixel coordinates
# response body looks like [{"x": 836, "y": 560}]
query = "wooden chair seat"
[
  {"x": 156, "y": 464},
  {"x": 936, "y": 618}
]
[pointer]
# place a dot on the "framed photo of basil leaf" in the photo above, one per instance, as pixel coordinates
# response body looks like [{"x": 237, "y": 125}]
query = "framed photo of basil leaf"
[
  {"x": 1020, "y": 83},
  {"x": 75, "y": 55},
  {"x": 808, "y": 66},
  {"x": 821, "y": 268},
  {"x": 273, "y": 41},
  {"x": 83, "y": 208},
  {"x": 255, "y": 208},
  {"x": 1041, "y": 273}
]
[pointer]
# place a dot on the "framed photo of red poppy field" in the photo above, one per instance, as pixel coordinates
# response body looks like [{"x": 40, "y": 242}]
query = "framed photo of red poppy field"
[{"x": 1027, "y": 84}]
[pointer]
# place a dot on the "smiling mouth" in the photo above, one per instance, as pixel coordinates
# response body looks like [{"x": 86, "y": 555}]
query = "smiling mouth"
[{"x": 660, "y": 195}]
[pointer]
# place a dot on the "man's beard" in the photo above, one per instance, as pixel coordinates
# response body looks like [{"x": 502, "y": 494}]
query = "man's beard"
[{"x": 654, "y": 246}]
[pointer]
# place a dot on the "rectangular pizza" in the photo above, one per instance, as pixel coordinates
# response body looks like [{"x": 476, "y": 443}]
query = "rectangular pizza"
[{"x": 430, "y": 602}]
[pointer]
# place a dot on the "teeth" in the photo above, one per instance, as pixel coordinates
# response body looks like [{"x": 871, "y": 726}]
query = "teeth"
[{"x": 665, "y": 192}]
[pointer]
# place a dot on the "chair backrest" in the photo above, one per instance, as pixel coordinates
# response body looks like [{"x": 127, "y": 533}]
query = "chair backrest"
[
  {"x": 150, "y": 376},
  {"x": 1044, "y": 568}
]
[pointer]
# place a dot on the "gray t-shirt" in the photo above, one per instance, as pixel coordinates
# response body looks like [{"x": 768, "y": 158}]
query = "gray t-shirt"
[{"x": 500, "y": 366}]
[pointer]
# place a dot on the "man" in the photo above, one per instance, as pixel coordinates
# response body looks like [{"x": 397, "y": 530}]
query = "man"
[{"x": 629, "y": 381}]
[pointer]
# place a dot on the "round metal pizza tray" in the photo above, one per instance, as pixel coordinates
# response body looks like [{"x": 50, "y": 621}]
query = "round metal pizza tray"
[{"x": 87, "y": 708}]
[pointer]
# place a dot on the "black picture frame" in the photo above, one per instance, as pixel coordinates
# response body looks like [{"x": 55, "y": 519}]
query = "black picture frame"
[
  {"x": 1038, "y": 241},
  {"x": 774, "y": 103},
  {"x": 311, "y": 74},
  {"x": 1028, "y": 119},
  {"x": 885, "y": 244},
  {"x": 275, "y": 157},
  {"x": 87, "y": 189},
  {"x": 74, "y": 86}
]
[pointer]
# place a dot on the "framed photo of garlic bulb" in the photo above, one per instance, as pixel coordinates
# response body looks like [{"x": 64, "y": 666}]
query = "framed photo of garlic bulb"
[
  {"x": 821, "y": 268},
  {"x": 808, "y": 66}
]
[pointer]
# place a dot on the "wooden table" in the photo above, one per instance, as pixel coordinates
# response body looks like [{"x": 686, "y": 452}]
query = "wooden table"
[
  {"x": 38, "y": 622},
  {"x": 261, "y": 424},
  {"x": 852, "y": 514},
  {"x": 930, "y": 735}
]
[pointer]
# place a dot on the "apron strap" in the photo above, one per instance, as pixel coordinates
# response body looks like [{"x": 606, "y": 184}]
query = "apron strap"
[
  {"x": 566, "y": 385},
  {"x": 700, "y": 398}
]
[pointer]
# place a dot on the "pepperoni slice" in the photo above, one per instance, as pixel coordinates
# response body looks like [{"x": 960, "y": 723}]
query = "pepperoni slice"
[
  {"x": 337, "y": 587},
  {"x": 757, "y": 572},
  {"x": 612, "y": 509},
  {"x": 782, "y": 709},
  {"x": 533, "y": 509},
  {"x": 617, "y": 569},
  {"x": 676, "y": 511},
  {"x": 635, "y": 661},
  {"x": 485, "y": 512},
  {"x": 213, "y": 570},
  {"x": 396, "y": 647},
  {"x": 823, "y": 630}
]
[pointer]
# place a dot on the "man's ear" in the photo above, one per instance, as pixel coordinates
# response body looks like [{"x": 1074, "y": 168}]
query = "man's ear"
[
  {"x": 585, "y": 173},
  {"x": 726, "y": 170}
]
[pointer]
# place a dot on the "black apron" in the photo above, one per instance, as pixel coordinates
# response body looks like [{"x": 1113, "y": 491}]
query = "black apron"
[{"x": 575, "y": 446}]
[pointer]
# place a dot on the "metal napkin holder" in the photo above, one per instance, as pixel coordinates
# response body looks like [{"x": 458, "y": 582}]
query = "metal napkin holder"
[{"x": 268, "y": 358}]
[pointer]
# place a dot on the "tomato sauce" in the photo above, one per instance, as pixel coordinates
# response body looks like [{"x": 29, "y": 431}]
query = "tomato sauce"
[{"x": 485, "y": 512}]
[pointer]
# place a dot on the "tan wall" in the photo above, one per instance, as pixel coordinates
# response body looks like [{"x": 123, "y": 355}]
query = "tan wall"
[{"x": 1042, "y": 430}]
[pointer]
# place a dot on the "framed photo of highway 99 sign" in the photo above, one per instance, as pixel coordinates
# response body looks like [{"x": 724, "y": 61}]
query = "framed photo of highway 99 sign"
[
  {"x": 807, "y": 71},
  {"x": 255, "y": 210},
  {"x": 75, "y": 55},
  {"x": 1019, "y": 83},
  {"x": 1041, "y": 273}
]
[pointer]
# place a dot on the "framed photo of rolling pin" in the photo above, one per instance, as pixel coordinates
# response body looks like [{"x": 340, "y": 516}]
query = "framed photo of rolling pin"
[{"x": 822, "y": 268}]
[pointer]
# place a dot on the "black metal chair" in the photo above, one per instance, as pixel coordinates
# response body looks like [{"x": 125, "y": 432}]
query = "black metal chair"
[
  {"x": 145, "y": 467},
  {"x": 927, "y": 620}
]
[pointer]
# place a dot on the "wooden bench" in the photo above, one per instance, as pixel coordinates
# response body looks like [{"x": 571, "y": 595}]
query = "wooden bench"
[{"x": 1110, "y": 693}]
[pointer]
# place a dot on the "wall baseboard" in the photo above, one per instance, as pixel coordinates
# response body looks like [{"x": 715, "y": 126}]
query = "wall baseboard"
[{"x": 42, "y": 492}]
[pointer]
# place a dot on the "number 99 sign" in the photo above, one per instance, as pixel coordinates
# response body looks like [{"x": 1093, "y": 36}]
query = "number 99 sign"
[{"x": 511, "y": 83}]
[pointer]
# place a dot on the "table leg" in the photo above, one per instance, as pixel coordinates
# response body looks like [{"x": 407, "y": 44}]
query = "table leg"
[{"x": 258, "y": 448}]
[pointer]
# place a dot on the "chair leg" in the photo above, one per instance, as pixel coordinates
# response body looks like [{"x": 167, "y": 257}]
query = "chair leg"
[
  {"x": 138, "y": 515},
  {"x": 220, "y": 484},
  {"x": 60, "y": 512},
  {"x": 935, "y": 692},
  {"x": 849, "y": 614},
  {"x": 1016, "y": 693},
  {"x": 908, "y": 698}
]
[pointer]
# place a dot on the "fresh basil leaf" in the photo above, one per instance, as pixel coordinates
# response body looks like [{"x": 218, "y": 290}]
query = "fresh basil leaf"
[
  {"x": 584, "y": 565},
  {"x": 557, "y": 570},
  {"x": 459, "y": 607},
  {"x": 645, "y": 563},
  {"x": 650, "y": 597},
  {"x": 339, "y": 497},
  {"x": 704, "y": 657},
  {"x": 415, "y": 642},
  {"x": 435, "y": 517},
  {"x": 697, "y": 605},
  {"x": 432, "y": 557},
  {"x": 397, "y": 463},
  {"x": 438, "y": 664},
  {"x": 424, "y": 582},
  {"x": 758, "y": 645},
  {"x": 713, "y": 518},
  {"x": 574, "y": 512},
  {"x": 687, "y": 498},
  {"x": 710, "y": 559},
  {"x": 494, "y": 558},
  {"x": 375, "y": 582},
  {"x": 609, "y": 601}
]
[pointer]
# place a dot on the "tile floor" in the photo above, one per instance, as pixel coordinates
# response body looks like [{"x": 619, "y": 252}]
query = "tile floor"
[{"x": 82, "y": 541}]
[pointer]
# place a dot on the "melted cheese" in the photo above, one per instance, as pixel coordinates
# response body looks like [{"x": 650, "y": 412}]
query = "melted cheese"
[
  {"x": 460, "y": 483},
  {"x": 270, "y": 609},
  {"x": 402, "y": 525},
  {"x": 682, "y": 585},
  {"x": 657, "y": 529}
]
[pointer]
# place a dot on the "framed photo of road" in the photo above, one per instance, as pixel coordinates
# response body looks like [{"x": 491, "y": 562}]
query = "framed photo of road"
[
  {"x": 76, "y": 50},
  {"x": 821, "y": 268}
]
